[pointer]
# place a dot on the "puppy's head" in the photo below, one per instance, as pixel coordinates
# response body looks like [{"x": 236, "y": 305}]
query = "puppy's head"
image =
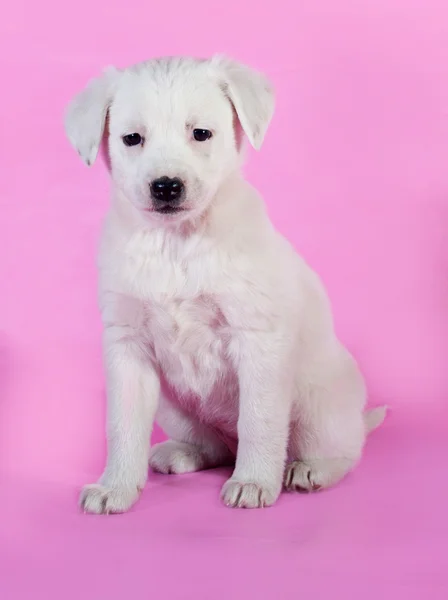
[{"x": 173, "y": 128}]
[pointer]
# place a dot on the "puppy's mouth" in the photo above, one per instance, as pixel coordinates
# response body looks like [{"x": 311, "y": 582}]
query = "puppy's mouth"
[
  {"x": 165, "y": 210},
  {"x": 169, "y": 210}
]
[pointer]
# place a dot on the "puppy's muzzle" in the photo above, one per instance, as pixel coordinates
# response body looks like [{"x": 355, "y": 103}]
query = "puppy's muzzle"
[{"x": 167, "y": 194}]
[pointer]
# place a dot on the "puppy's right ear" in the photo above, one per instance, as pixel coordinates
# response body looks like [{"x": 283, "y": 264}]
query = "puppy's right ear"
[{"x": 86, "y": 115}]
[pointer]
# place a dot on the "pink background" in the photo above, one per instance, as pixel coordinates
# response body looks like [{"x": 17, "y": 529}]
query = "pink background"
[{"x": 360, "y": 136}]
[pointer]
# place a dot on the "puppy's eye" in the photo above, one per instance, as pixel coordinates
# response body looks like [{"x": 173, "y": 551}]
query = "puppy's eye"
[
  {"x": 202, "y": 135},
  {"x": 132, "y": 139}
]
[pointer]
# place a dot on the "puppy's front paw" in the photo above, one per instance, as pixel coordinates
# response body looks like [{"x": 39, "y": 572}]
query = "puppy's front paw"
[
  {"x": 238, "y": 494},
  {"x": 101, "y": 500}
]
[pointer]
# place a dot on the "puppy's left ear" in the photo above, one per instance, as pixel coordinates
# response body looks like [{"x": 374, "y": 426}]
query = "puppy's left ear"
[
  {"x": 252, "y": 96},
  {"x": 85, "y": 118}
]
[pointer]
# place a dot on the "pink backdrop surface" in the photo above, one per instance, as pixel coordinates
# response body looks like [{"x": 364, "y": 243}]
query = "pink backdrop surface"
[{"x": 354, "y": 172}]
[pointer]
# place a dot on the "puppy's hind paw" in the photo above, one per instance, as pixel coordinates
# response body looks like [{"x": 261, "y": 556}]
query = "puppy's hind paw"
[
  {"x": 172, "y": 457},
  {"x": 313, "y": 475}
]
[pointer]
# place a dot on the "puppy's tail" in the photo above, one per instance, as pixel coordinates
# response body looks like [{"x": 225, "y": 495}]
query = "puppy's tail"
[{"x": 374, "y": 417}]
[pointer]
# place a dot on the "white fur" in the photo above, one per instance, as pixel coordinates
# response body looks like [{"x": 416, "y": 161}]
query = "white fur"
[{"x": 211, "y": 320}]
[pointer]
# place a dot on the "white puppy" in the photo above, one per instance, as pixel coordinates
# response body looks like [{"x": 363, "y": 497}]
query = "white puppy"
[{"x": 213, "y": 325}]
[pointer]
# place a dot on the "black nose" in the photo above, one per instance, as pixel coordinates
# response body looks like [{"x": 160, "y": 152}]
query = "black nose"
[{"x": 166, "y": 191}]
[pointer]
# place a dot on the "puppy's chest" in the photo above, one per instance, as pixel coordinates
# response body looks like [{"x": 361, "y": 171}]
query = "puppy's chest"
[
  {"x": 185, "y": 327},
  {"x": 188, "y": 338},
  {"x": 175, "y": 295}
]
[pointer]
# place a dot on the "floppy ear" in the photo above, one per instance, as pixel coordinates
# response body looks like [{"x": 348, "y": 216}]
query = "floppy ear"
[
  {"x": 86, "y": 115},
  {"x": 252, "y": 96}
]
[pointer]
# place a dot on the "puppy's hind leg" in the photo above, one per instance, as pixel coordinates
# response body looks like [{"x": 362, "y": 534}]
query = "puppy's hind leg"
[
  {"x": 193, "y": 446},
  {"x": 327, "y": 436}
]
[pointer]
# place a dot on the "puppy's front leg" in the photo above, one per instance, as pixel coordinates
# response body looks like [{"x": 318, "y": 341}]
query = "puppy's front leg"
[
  {"x": 263, "y": 423},
  {"x": 133, "y": 394}
]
